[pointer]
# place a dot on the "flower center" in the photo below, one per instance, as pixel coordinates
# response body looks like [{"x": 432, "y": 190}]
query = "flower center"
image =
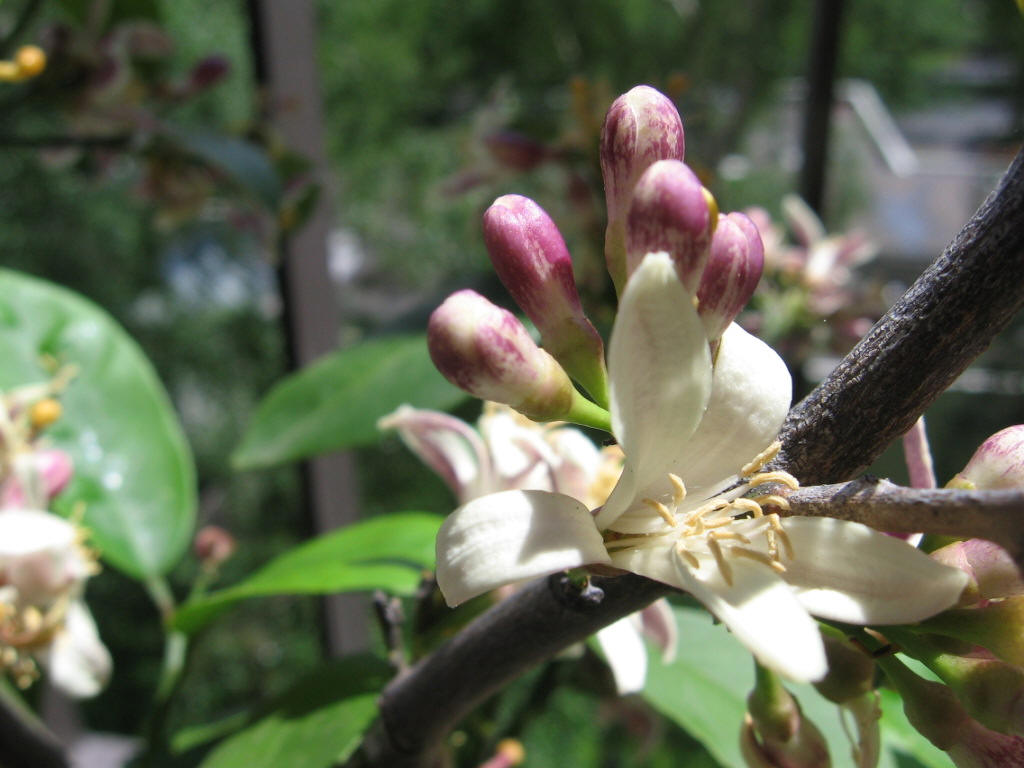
[{"x": 723, "y": 527}]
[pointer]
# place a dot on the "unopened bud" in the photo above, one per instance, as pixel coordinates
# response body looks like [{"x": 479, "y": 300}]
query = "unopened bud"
[
  {"x": 531, "y": 259},
  {"x": 995, "y": 626},
  {"x": 670, "y": 211},
  {"x": 642, "y": 126},
  {"x": 997, "y": 464},
  {"x": 487, "y": 352},
  {"x": 213, "y": 545},
  {"x": 993, "y": 571},
  {"x": 851, "y": 672},
  {"x": 934, "y": 711},
  {"x": 45, "y": 412},
  {"x": 37, "y": 478},
  {"x": 775, "y": 733},
  {"x": 208, "y": 71},
  {"x": 30, "y": 60},
  {"x": 991, "y": 691},
  {"x": 733, "y": 270}
]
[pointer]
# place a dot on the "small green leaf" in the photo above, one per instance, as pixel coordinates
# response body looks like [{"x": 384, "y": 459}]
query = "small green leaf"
[
  {"x": 318, "y": 722},
  {"x": 388, "y": 553},
  {"x": 335, "y": 402},
  {"x": 241, "y": 161},
  {"x": 133, "y": 468}
]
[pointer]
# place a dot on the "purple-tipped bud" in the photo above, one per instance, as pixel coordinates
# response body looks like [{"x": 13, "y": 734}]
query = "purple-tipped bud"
[
  {"x": 993, "y": 572},
  {"x": 486, "y": 351},
  {"x": 531, "y": 259},
  {"x": 213, "y": 545},
  {"x": 642, "y": 126},
  {"x": 46, "y": 472},
  {"x": 732, "y": 272},
  {"x": 997, "y": 464},
  {"x": 208, "y": 72},
  {"x": 670, "y": 211}
]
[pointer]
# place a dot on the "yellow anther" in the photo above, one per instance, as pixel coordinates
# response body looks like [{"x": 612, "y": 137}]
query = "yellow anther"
[
  {"x": 723, "y": 566},
  {"x": 761, "y": 459},
  {"x": 712, "y": 208},
  {"x": 662, "y": 510},
  {"x": 773, "y": 500},
  {"x": 747, "y": 505},
  {"x": 44, "y": 412},
  {"x": 776, "y": 524},
  {"x": 31, "y": 60},
  {"x": 688, "y": 556},
  {"x": 728, "y": 535},
  {"x": 778, "y": 476},
  {"x": 678, "y": 488},
  {"x": 760, "y": 557},
  {"x": 512, "y": 751}
]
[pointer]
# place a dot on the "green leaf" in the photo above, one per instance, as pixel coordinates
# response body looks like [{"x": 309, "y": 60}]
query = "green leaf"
[
  {"x": 388, "y": 552},
  {"x": 133, "y": 468},
  {"x": 335, "y": 402},
  {"x": 318, "y": 722},
  {"x": 241, "y": 161},
  {"x": 704, "y": 691}
]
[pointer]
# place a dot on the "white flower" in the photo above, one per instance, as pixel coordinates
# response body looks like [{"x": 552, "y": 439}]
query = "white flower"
[
  {"x": 507, "y": 451},
  {"x": 43, "y": 569},
  {"x": 693, "y": 424}
]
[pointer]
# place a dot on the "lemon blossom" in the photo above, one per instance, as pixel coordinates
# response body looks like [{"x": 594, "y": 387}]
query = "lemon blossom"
[
  {"x": 508, "y": 451},
  {"x": 695, "y": 428},
  {"x": 43, "y": 569}
]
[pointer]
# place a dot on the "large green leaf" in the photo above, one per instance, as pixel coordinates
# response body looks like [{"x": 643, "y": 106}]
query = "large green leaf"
[
  {"x": 388, "y": 553},
  {"x": 704, "y": 691},
  {"x": 336, "y": 402},
  {"x": 318, "y": 722},
  {"x": 133, "y": 468}
]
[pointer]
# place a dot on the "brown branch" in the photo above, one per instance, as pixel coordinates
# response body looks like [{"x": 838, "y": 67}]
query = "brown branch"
[
  {"x": 945, "y": 320},
  {"x": 994, "y": 515}
]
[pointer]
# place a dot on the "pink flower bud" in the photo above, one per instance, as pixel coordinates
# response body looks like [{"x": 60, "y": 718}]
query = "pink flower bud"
[
  {"x": 531, "y": 259},
  {"x": 642, "y": 126},
  {"x": 997, "y": 464},
  {"x": 670, "y": 212},
  {"x": 993, "y": 571},
  {"x": 486, "y": 351},
  {"x": 207, "y": 72},
  {"x": 213, "y": 545},
  {"x": 46, "y": 472},
  {"x": 732, "y": 272}
]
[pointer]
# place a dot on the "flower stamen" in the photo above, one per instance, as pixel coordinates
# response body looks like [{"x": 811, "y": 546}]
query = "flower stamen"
[
  {"x": 662, "y": 511},
  {"x": 678, "y": 488},
  {"x": 761, "y": 459},
  {"x": 778, "y": 476}
]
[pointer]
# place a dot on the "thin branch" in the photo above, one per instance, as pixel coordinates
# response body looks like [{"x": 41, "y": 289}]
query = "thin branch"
[
  {"x": 945, "y": 320},
  {"x": 936, "y": 329},
  {"x": 62, "y": 140},
  {"x": 994, "y": 515}
]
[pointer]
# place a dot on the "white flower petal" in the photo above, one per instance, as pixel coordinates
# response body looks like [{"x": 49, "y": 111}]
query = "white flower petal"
[
  {"x": 511, "y": 536},
  {"x": 27, "y": 531},
  {"x": 78, "y": 662},
  {"x": 659, "y": 625},
  {"x": 660, "y": 377},
  {"x": 520, "y": 455},
  {"x": 626, "y": 655},
  {"x": 579, "y": 461},
  {"x": 447, "y": 445},
  {"x": 848, "y": 572},
  {"x": 750, "y": 395},
  {"x": 758, "y": 607},
  {"x": 764, "y": 614}
]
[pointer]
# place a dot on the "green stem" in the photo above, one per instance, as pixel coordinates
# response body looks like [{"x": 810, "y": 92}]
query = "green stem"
[{"x": 588, "y": 414}]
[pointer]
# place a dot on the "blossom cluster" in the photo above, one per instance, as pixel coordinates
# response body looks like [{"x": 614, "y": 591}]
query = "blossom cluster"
[
  {"x": 44, "y": 558},
  {"x": 694, "y": 402}
]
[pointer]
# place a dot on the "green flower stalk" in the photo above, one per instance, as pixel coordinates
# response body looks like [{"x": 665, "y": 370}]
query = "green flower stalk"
[{"x": 775, "y": 733}]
